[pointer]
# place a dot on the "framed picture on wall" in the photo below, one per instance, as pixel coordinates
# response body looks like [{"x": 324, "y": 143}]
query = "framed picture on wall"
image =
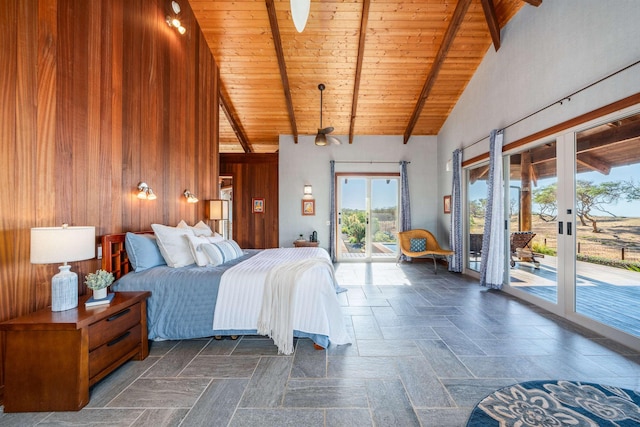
[
  {"x": 308, "y": 207},
  {"x": 257, "y": 205},
  {"x": 447, "y": 204}
]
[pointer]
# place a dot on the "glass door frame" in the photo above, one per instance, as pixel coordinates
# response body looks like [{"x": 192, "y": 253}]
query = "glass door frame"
[
  {"x": 368, "y": 177},
  {"x": 566, "y": 196}
]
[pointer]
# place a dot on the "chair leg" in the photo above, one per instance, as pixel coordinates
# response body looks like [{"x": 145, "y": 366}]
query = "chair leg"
[{"x": 435, "y": 265}]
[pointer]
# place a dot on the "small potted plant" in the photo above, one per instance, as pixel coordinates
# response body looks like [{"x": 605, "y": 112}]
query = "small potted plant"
[{"x": 99, "y": 282}]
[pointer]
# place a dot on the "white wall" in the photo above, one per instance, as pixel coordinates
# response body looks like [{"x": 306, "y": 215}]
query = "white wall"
[
  {"x": 547, "y": 53},
  {"x": 306, "y": 163}
]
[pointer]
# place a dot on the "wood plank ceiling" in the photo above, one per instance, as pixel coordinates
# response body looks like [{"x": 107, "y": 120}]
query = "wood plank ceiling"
[{"x": 389, "y": 67}]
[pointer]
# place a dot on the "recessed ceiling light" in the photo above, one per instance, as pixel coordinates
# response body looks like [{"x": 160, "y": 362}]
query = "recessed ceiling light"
[{"x": 175, "y": 6}]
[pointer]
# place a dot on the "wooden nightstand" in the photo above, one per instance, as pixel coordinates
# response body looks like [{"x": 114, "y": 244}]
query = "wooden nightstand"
[
  {"x": 52, "y": 358},
  {"x": 304, "y": 244}
]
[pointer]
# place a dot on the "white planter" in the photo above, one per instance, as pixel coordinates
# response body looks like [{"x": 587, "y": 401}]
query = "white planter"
[{"x": 100, "y": 293}]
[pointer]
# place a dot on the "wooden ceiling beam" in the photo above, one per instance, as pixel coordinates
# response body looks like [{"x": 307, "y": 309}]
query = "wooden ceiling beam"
[
  {"x": 356, "y": 85},
  {"x": 594, "y": 163},
  {"x": 235, "y": 125},
  {"x": 447, "y": 42},
  {"x": 277, "y": 42},
  {"x": 535, "y": 3},
  {"x": 492, "y": 21}
]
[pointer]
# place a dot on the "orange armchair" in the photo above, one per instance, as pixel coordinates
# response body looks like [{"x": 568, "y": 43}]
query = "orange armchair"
[{"x": 431, "y": 247}]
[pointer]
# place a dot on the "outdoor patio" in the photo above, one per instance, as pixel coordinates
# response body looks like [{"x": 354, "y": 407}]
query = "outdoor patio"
[{"x": 607, "y": 294}]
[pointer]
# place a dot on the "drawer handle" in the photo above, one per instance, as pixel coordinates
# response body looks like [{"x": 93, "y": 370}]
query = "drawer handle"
[
  {"x": 115, "y": 316},
  {"x": 120, "y": 338}
]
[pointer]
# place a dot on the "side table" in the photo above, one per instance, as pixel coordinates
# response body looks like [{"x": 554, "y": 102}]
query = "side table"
[
  {"x": 52, "y": 358},
  {"x": 304, "y": 244}
]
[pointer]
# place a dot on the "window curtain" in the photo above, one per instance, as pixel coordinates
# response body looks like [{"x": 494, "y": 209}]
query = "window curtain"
[
  {"x": 332, "y": 212},
  {"x": 405, "y": 202},
  {"x": 455, "y": 236},
  {"x": 492, "y": 261}
]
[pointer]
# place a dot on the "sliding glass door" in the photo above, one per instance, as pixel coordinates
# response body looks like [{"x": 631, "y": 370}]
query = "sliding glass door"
[
  {"x": 607, "y": 223},
  {"x": 533, "y": 218},
  {"x": 574, "y": 233},
  {"x": 477, "y": 191},
  {"x": 367, "y": 217}
]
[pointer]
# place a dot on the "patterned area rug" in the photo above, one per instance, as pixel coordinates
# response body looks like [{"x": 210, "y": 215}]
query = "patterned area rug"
[{"x": 557, "y": 403}]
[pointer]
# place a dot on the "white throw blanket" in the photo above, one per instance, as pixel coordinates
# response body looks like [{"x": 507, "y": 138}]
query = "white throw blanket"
[
  {"x": 316, "y": 308},
  {"x": 276, "y": 313}
]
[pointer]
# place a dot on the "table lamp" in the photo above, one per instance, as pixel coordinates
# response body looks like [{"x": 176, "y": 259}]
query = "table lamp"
[
  {"x": 52, "y": 245},
  {"x": 217, "y": 210}
]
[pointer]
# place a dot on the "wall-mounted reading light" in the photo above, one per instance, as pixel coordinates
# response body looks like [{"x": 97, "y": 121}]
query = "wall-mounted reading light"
[
  {"x": 174, "y": 21},
  {"x": 191, "y": 198},
  {"x": 308, "y": 192},
  {"x": 145, "y": 192}
]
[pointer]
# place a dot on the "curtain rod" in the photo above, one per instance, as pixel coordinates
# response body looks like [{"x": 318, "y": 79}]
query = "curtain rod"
[
  {"x": 560, "y": 101},
  {"x": 364, "y": 161}
]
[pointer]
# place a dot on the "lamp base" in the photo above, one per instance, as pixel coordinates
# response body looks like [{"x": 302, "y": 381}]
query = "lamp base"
[{"x": 64, "y": 289}]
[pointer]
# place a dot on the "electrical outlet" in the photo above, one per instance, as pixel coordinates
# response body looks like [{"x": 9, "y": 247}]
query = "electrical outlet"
[{"x": 99, "y": 252}]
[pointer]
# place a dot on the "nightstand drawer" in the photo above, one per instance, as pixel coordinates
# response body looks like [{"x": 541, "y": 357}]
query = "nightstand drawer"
[
  {"x": 103, "y": 356},
  {"x": 113, "y": 326}
]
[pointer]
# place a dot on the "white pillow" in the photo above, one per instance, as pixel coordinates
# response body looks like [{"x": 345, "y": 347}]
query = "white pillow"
[
  {"x": 215, "y": 238},
  {"x": 174, "y": 247},
  {"x": 195, "y": 244},
  {"x": 200, "y": 229}
]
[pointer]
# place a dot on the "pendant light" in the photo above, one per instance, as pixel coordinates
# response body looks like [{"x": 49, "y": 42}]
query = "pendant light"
[{"x": 300, "y": 13}]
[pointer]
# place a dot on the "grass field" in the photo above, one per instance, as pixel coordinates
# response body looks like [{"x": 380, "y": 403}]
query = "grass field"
[{"x": 615, "y": 234}]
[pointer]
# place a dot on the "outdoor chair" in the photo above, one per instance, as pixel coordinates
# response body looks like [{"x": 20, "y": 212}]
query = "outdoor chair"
[
  {"x": 475, "y": 245},
  {"x": 419, "y": 243},
  {"x": 521, "y": 248}
]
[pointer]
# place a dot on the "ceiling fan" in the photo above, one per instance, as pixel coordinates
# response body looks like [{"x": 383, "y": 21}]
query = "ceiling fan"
[{"x": 323, "y": 137}]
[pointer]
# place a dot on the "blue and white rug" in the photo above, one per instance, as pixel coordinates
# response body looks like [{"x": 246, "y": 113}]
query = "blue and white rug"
[{"x": 557, "y": 404}]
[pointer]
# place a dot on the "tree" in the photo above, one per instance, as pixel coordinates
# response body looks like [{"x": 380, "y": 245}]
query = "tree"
[
  {"x": 631, "y": 190},
  {"x": 353, "y": 225},
  {"x": 477, "y": 208},
  {"x": 547, "y": 200},
  {"x": 590, "y": 197}
]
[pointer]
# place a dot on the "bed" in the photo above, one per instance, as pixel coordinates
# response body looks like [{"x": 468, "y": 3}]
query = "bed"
[{"x": 229, "y": 299}]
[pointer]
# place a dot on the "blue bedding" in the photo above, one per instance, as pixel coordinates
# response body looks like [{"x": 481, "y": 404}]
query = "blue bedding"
[{"x": 183, "y": 300}]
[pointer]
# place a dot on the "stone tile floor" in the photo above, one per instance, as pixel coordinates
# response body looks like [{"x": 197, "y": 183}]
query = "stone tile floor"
[{"x": 425, "y": 349}]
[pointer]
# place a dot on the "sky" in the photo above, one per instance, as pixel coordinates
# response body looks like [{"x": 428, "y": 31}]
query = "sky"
[{"x": 383, "y": 195}]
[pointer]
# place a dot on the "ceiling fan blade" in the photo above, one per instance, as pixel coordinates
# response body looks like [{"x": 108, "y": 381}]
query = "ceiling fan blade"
[
  {"x": 333, "y": 140},
  {"x": 326, "y": 130}
]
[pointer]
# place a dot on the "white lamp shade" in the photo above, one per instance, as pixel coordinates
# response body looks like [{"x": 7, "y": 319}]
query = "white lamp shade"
[
  {"x": 218, "y": 209},
  {"x": 52, "y": 245},
  {"x": 300, "y": 13}
]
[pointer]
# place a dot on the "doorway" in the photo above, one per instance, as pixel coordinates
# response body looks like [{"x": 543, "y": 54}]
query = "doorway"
[
  {"x": 367, "y": 212},
  {"x": 578, "y": 196}
]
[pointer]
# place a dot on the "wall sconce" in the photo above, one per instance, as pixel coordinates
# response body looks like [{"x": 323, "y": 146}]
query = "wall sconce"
[
  {"x": 308, "y": 191},
  {"x": 174, "y": 21},
  {"x": 53, "y": 245},
  {"x": 191, "y": 198},
  {"x": 145, "y": 192}
]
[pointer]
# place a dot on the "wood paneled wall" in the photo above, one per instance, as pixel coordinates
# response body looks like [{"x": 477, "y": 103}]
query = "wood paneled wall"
[
  {"x": 95, "y": 97},
  {"x": 254, "y": 176}
]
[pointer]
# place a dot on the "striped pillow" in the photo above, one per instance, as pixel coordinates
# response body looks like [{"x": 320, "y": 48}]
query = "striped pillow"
[{"x": 221, "y": 252}]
